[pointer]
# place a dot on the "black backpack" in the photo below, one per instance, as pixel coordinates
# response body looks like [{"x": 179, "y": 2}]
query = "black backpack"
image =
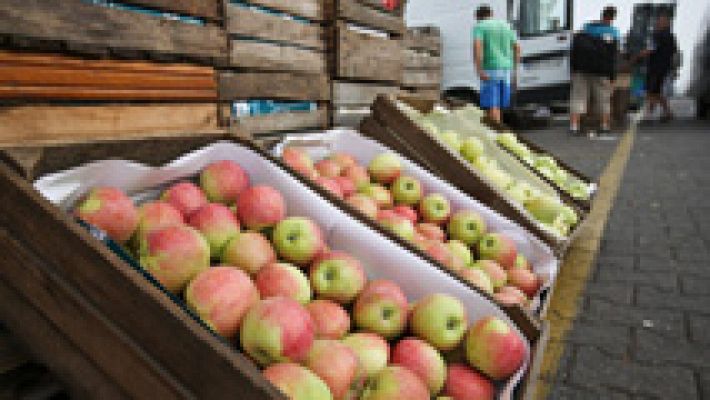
[{"x": 594, "y": 55}]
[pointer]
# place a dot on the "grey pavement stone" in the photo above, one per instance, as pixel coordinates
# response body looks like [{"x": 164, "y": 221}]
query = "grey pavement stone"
[
  {"x": 652, "y": 298},
  {"x": 700, "y": 329},
  {"x": 695, "y": 285},
  {"x": 607, "y": 337},
  {"x": 616, "y": 262},
  {"x": 663, "y": 280},
  {"x": 663, "y": 351},
  {"x": 594, "y": 369},
  {"x": 705, "y": 385},
  {"x": 564, "y": 392},
  {"x": 649, "y": 262},
  {"x": 666, "y": 322},
  {"x": 620, "y": 293}
]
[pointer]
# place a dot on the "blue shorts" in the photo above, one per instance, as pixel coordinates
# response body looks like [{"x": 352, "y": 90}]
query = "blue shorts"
[{"x": 495, "y": 92}]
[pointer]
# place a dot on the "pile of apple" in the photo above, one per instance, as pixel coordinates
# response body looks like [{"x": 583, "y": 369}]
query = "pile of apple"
[
  {"x": 269, "y": 282},
  {"x": 398, "y": 202},
  {"x": 547, "y": 166}
]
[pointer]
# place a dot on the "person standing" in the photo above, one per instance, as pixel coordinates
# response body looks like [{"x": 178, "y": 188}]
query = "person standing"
[
  {"x": 497, "y": 54},
  {"x": 593, "y": 60},
  {"x": 661, "y": 56}
]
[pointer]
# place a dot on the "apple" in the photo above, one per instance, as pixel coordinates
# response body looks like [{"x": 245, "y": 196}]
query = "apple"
[
  {"x": 337, "y": 276},
  {"x": 330, "y": 185},
  {"x": 372, "y": 352},
  {"x": 494, "y": 348},
  {"x": 335, "y": 363},
  {"x": 431, "y": 231},
  {"x": 328, "y": 168},
  {"x": 451, "y": 139},
  {"x": 522, "y": 262},
  {"x": 297, "y": 382},
  {"x": 217, "y": 224},
  {"x": 298, "y": 240},
  {"x": 283, "y": 280},
  {"x": 524, "y": 280},
  {"x": 494, "y": 271},
  {"x": 300, "y": 162},
  {"x": 364, "y": 204},
  {"x": 395, "y": 383},
  {"x": 260, "y": 207},
  {"x": 467, "y": 226},
  {"x": 111, "y": 210},
  {"x": 248, "y": 251},
  {"x": 463, "y": 383},
  {"x": 345, "y": 160},
  {"x": 174, "y": 255},
  {"x": 434, "y": 208},
  {"x": 155, "y": 215},
  {"x": 406, "y": 190},
  {"x": 521, "y": 192},
  {"x": 460, "y": 251},
  {"x": 510, "y": 296},
  {"x": 347, "y": 186},
  {"x": 407, "y": 212},
  {"x": 380, "y": 194},
  {"x": 385, "y": 168},
  {"x": 439, "y": 319},
  {"x": 545, "y": 208},
  {"x": 472, "y": 148},
  {"x": 424, "y": 360},
  {"x": 221, "y": 296},
  {"x": 358, "y": 174},
  {"x": 223, "y": 181},
  {"x": 186, "y": 197},
  {"x": 330, "y": 319},
  {"x": 477, "y": 278},
  {"x": 499, "y": 248},
  {"x": 441, "y": 253},
  {"x": 381, "y": 308},
  {"x": 396, "y": 223},
  {"x": 278, "y": 329}
]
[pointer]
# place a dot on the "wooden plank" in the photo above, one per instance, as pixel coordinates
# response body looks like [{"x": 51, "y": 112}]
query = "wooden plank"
[
  {"x": 364, "y": 14},
  {"x": 215, "y": 369},
  {"x": 40, "y": 124},
  {"x": 367, "y": 57},
  {"x": 273, "y": 57},
  {"x": 427, "y": 94},
  {"x": 421, "y": 79},
  {"x": 209, "y": 9},
  {"x": 359, "y": 94},
  {"x": 352, "y": 117},
  {"x": 89, "y": 93},
  {"x": 81, "y": 23},
  {"x": 311, "y": 9},
  {"x": 246, "y": 22},
  {"x": 418, "y": 60},
  {"x": 426, "y": 38},
  {"x": 121, "y": 359},
  {"x": 284, "y": 122},
  {"x": 272, "y": 85}
]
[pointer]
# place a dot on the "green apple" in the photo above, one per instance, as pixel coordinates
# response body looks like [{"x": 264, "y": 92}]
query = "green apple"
[
  {"x": 459, "y": 250},
  {"x": 578, "y": 189},
  {"x": 451, "y": 139},
  {"x": 379, "y": 193},
  {"x": 406, "y": 190},
  {"x": 435, "y": 208},
  {"x": 499, "y": 178},
  {"x": 338, "y": 277},
  {"x": 385, "y": 168},
  {"x": 381, "y": 308},
  {"x": 499, "y": 248},
  {"x": 545, "y": 208},
  {"x": 546, "y": 161},
  {"x": 430, "y": 127},
  {"x": 396, "y": 223},
  {"x": 521, "y": 192},
  {"x": 467, "y": 226},
  {"x": 478, "y": 278},
  {"x": 298, "y": 240},
  {"x": 372, "y": 351},
  {"x": 472, "y": 148},
  {"x": 440, "y": 320},
  {"x": 297, "y": 382},
  {"x": 395, "y": 383}
]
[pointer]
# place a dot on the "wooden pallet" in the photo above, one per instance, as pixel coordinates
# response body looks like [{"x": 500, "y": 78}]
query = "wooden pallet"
[
  {"x": 422, "y": 61},
  {"x": 352, "y": 101}
]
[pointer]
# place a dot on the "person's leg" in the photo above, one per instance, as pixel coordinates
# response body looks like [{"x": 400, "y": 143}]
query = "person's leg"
[
  {"x": 578, "y": 101},
  {"x": 603, "y": 90}
]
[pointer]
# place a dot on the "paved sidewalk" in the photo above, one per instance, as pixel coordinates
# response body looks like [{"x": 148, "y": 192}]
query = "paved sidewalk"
[{"x": 642, "y": 330}]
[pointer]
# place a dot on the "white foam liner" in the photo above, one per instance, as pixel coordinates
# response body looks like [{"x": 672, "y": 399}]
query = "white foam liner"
[{"x": 381, "y": 258}]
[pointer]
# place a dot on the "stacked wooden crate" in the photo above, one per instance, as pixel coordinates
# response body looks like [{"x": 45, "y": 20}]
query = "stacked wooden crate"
[
  {"x": 92, "y": 69},
  {"x": 365, "y": 56},
  {"x": 277, "y": 58},
  {"x": 422, "y": 62}
]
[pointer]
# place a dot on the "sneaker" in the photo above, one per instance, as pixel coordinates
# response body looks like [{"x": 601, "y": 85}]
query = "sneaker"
[
  {"x": 604, "y": 132},
  {"x": 574, "y": 132}
]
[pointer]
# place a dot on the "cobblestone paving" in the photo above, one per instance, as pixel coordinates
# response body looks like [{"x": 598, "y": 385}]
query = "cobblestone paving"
[{"x": 643, "y": 329}]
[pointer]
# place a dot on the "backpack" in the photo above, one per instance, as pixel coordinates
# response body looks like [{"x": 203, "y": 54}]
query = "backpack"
[{"x": 593, "y": 55}]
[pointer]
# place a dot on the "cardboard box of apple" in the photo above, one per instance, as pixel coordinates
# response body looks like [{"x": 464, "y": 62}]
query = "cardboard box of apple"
[{"x": 327, "y": 307}]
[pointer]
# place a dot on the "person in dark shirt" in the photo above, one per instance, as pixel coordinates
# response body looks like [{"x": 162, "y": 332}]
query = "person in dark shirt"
[{"x": 661, "y": 58}]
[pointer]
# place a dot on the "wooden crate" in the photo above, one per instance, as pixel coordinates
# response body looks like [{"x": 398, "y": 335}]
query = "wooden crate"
[
  {"x": 59, "y": 280},
  {"x": 352, "y": 101},
  {"x": 422, "y": 61},
  {"x": 277, "y": 51},
  {"x": 79, "y": 27}
]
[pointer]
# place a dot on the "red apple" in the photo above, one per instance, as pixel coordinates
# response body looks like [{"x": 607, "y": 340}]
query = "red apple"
[
  {"x": 524, "y": 280},
  {"x": 494, "y": 348},
  {"x": 111, "y": 210},
  {"x": 510, "y": 296},
  {"x": 155, "y": 215},
  {"x": 347, "y": 187},
  {"x": 300, "y": 162},
  {"x": 396, "y": 223},
  {"x": 328, "y": 168},
  {"x": 381, "y": 308},
  {"x": 222, "y": 181},
  {"x": 372, "y": 352},
  {"x": 217, "y": 224},
  {"x": 358, "y": 174},
  {"x": 494, "y": 271},
  {"x": 499, "y": 248},
  {"x": 330, "y": 319},
  {"x": 345, "y": 160},
  {"x": 431, "y": 231},
  {"x": 330, "y": 185},
  {"x": 440, "y": 252},
  {"x": 522, "y": 262},
  {"x": 297, "y": 382},
  {"x": 283, "y": 280},
  {"x": 335, "y": 363},
  {"x": 221, "y": 296},
  {"x": 380, "y": 194},
  {"x": 385, "y": 168},
  {"x": 260, "y": 207},
  {"x": 424, "y": 360},
  {"x": 407, "y": 212},
  {"x": 478, "y": 278},
  {"x": 463, "y": 383},
  {"x": 249, "y": 251},
  {"x": 395, "y": 383},
  {"x": 337, "y": 276},
  {"x": 364, "y": 204},
  {"x": 186, "y": 197}
]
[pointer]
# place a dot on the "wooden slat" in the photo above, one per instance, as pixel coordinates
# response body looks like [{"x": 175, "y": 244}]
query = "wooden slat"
[
  {"x": 423, "y": 38},
  {"x": 311, "y": 9},
  {"x": 272, "y": 57},
  {"x": 352, "y": 117},
  {"x": 208, "y": 9},
  {"x": 84, "y": 93},
  {"x": 248, "y": 85},
  {"x": 80, "y": 23},
  {"x": 208, "y": 367},
  {"x": 284, "y": 122},
  {"x": 358, "y": 94},
  {"x": 427, "y": 94},
  {"x": 363, "y": 14},
  {"x": 421, "y": 79},
  {"x": 418, "y": 60},
  {"x": 367, "y": 57},
  {"x": 246, "y": 22},
  {"x": 33, "y": 124},
  {"x": 109, "y": 348}
]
